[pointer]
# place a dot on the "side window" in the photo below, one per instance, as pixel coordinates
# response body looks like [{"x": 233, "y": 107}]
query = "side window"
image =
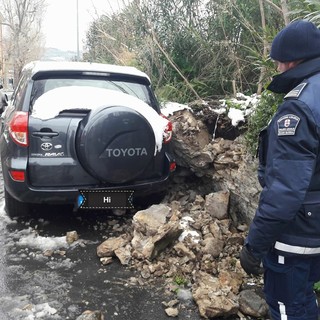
[
  {"x": 20, "y": 92},
  {"x": 38, "y": 89}
]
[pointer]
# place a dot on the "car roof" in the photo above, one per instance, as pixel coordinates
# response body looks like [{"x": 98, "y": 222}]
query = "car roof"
[{"x": 47, "y": 66}]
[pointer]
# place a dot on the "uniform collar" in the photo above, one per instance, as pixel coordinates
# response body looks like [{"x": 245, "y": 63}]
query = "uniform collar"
[{"x": 286, "y": 81}]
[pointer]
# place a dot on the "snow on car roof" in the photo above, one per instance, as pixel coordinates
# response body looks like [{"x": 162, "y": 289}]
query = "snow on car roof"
[
  {"x": 51, "y": 103},
  {"x": 39, "y": 66}
]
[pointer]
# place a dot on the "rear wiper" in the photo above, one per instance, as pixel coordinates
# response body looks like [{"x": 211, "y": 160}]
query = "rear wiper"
[{"x": 119, "y": 87}]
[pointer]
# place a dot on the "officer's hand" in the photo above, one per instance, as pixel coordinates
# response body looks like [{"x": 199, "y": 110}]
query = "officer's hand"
[{"x": 249, "y": 263}]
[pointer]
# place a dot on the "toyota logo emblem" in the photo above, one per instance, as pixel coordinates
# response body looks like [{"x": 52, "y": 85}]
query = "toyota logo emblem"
[{"x": 46, "y": 146}]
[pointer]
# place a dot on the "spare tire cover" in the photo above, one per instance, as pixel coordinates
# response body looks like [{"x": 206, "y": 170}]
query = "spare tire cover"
[{"x": 115, "y": 144}]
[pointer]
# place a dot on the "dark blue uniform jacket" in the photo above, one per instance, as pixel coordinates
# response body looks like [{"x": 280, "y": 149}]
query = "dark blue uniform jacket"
[{"x": 288, "y": 215}]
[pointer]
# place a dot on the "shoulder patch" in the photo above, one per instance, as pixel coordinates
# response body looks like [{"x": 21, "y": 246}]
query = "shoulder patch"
[
  {"x": 287, "y": 125},
  {"x": 295, "y": 93}
]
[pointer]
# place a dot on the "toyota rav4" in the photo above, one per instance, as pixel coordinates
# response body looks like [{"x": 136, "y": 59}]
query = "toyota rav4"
[{"x": 85, "y": 134}]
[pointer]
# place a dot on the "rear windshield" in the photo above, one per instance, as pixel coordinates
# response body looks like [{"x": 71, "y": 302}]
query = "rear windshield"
[{"x": 137, "y": 90}]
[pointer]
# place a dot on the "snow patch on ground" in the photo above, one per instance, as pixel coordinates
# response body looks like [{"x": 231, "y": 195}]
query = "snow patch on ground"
[
  {"x": 19, "y": 307},
  {"x": 35, "y": 241},
  {"x": 41, "y": 311}
]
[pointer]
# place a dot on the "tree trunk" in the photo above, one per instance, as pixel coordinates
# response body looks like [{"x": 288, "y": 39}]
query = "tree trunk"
[
  {"x": 265, "y": 47},
  {"x": 285, "y": 11}
]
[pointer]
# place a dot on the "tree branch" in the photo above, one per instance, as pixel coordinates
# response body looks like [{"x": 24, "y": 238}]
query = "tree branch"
[
  {"x": 273, "y": 5},
  {"x": 173, "y": 64}
]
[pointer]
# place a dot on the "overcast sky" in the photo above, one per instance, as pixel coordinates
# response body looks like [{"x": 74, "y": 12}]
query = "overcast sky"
[{"x": 60, "y": 20}]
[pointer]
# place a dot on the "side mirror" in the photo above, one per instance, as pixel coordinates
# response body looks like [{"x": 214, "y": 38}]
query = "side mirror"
[{"x": 1, "y": 86}]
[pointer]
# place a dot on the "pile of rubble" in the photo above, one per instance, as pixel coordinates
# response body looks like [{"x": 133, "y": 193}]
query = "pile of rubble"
[
  {"x": 193, "y": 246},
  {"x": 193, "y": 237}
]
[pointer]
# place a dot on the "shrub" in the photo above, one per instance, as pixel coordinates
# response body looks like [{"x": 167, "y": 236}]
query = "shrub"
[{"x": 260, "y": 118}]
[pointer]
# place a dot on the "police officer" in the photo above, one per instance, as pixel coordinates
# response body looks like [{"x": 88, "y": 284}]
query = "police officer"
[{"x": 284, "y": 236}]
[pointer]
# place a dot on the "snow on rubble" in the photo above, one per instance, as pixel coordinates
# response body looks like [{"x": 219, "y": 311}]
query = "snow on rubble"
[{"x": 237, "y": 109}]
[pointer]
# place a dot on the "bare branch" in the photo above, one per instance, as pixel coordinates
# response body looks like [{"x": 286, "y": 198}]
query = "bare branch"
[
  {"x": 23, "y": 19},
  {"x": 173, "y": 64},
  {"x": 274, "y": 5}
]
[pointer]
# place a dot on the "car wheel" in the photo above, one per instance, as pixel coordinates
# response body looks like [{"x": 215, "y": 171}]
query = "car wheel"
[
  {"x": 115, "y": 144},
  {"x": 15, "y": 208}
]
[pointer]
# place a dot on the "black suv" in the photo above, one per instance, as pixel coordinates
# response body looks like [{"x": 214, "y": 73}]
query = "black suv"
[{"x": 85, "y": 134}]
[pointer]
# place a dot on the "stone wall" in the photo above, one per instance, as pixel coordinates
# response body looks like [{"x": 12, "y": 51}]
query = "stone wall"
[{"x": 224, "y": 163}]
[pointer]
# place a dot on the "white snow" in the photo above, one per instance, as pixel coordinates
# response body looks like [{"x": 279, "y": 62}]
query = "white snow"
[
  {"x": 35, "y": 241},
  {"x": 56, "y": 100},
  {"x": 236, "y": 116},
  {"x": 169, "y": 108},
  {"x": 41, "y": 311},
  {"x": 245, "y": 105},
  {"x": 187, "y": 230},
  {"x": 192, "y": 233},
  {"x": 21, "y": 308}
]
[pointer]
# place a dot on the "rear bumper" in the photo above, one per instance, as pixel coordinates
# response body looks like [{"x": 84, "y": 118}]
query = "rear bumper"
[{"x": 24, "y": 193}]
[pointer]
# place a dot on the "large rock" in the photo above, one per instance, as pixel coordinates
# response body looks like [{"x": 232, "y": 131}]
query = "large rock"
[
  {"x": 152, "y": 233},
  {"x": 108, "y": 247},
  {"x": 150, "y": 220},
  {"x": 212, "y": 246},
  {"x": 188, "y": 131},
  {"x": 124, "y": 254},
  {"x": 252, "y": 303},
  {"x": 213, "y": 299},
  {"x": 217, "y": 204}
]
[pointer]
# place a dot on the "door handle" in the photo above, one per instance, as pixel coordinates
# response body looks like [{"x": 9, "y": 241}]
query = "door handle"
[{"x": 42, "y": 134}]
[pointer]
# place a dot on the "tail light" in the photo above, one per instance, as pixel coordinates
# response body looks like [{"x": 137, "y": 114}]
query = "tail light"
[
  {"x": 167, "y": 135},
  {"x": 173, "y": 166},
  {"x": 18, "y": 176},
  {"x": 18, "y": 128}
]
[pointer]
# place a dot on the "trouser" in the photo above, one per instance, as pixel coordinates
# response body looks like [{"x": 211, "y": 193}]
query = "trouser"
[{"x": 288, "y": 286}]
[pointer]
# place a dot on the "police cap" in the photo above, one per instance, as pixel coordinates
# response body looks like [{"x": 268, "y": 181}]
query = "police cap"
[{"x": 299, "y": 40}]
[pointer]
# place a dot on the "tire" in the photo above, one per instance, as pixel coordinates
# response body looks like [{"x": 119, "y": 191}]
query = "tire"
[
  {"x": 15, "y": 208},
  {"x": 115, "y": 144}
]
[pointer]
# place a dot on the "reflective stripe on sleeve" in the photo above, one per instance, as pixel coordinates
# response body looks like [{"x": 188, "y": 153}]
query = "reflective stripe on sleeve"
[
  {"x": 282, "y": 309},
  {"x": 296, "y": 249}
]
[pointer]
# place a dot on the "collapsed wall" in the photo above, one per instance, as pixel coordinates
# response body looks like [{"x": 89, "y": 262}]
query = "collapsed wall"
[{"x": 204, "y": 144}]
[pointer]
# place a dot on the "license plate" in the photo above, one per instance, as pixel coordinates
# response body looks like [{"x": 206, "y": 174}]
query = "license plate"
[{"x": 105, "y": 199}]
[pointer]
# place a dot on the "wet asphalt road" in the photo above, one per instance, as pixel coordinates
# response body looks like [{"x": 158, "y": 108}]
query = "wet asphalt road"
[{"x": 72, "y": 280}]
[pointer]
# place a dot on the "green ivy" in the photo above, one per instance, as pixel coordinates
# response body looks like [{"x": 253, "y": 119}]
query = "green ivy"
[
  {"x": 316, "y": 287},
  {"x": 260, "y": 118}
]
